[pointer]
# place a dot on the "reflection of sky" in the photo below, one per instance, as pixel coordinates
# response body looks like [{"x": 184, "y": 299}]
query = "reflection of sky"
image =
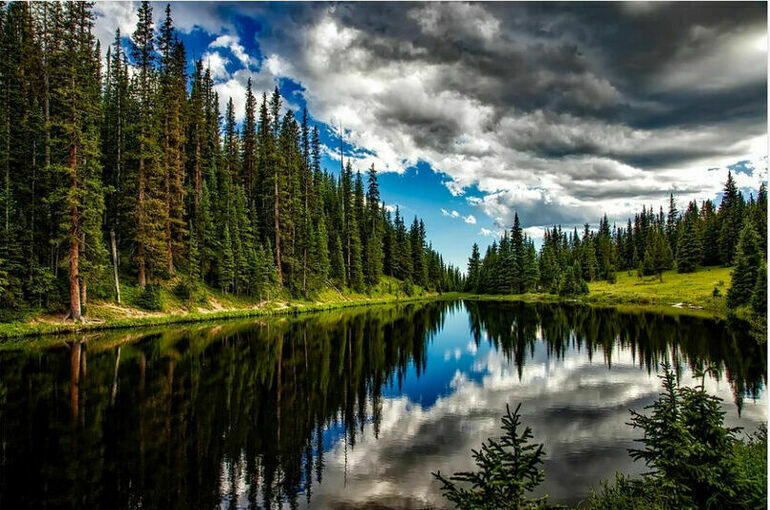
[{"x": 578, "y": 408}]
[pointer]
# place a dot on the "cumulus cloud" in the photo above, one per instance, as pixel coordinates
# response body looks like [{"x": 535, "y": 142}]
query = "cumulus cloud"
[
  {"x": 380, "y": 469},
  {"x": 557, "y": 113},
  {"x": 469, "y": 219}
]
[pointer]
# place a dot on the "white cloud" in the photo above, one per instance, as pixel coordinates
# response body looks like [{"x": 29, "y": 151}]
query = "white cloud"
[
  {"x": 490, "y": 233},
  {"x": 232, "y": 43},
  {"x": 452, "y": 214},
  {"x": 469, "y": 219},
  {"x": 216, "y": 63}
]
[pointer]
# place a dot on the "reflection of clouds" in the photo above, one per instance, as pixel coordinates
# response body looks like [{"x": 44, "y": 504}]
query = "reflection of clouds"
[{"x": 578, "y": 408}]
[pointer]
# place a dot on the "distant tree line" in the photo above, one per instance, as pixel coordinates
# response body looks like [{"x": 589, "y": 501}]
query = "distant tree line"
[
  {"x": 734, "y": 235},
  {"x": 139, "y": 151}
]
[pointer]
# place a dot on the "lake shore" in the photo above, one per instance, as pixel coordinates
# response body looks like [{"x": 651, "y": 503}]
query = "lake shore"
[
  {"x": 271, "y": 308},
  {"x": 677, "y": 294}
]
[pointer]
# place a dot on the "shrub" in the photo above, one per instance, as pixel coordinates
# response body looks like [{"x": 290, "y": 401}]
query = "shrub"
[
  {"x": 150, "y": 298},
  {"x": 687, "y": 445},
  {"x": 184, "y": 290},
  {"x": 508, "y": 470},
  {"x": 716, "y": 292}
]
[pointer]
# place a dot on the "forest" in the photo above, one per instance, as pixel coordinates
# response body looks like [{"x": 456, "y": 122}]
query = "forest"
[
  {"x": 732, "y": 235},
  {"x": 118, "y": 167},
  {"x": 117, "y": 164}
]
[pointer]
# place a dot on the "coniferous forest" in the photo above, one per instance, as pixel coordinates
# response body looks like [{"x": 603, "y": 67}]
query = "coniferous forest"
[
  {"x": 118, "y": 164},
  {"x": 732, "y": 235}
]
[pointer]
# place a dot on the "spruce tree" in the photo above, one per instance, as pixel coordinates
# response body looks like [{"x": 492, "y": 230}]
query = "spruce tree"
[
  {"x": 374, "y": 230},
  {"x": 759, "y": 295},
  {"x": 689, "y": 248},
  {"x": 672, "y": 224},
  {"x": 748, "y": 259},
  {"x": 731, "y": 220},
  {"x": 474, "y": 269}
]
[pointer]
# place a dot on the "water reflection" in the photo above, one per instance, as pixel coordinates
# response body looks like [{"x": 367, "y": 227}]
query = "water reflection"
[{"x": 342, "y": 409}]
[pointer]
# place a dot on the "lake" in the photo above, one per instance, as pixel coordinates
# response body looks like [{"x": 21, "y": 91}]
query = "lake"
[{"x": 345, "y": 409}]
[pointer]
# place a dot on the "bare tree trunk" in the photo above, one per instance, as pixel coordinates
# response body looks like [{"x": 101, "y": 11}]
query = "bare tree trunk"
[{"x": 114, "y": 251}]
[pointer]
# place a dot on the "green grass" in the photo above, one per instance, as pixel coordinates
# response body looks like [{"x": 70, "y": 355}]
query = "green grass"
[
  {"x": 691, "y": 289},
  {"x": 208, "y": 304}
]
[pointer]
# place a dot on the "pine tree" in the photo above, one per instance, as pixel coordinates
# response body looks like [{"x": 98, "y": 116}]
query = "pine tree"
[
  {"x": 672, "y": 224},
  {"x": 76, "y": 149},
  {"x": 759, "y": 295},
  {"x": 689, "y": 254},
  {"x": 731, "y": 220},
  {"x": 150, "y": 213},
  {"x": 249, "y": 145},
  {"x": 748, "y": 260},
  {"x": 474, "y": 269},
  {"x": 517, "y": 252},
  {"x": 374, "y": 230},
  {"x": 173, "y": 97},
  {"x": 588, "y": 260}
]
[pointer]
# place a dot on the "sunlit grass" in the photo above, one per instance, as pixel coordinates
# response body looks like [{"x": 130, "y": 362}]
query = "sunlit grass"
[{"x": 691, "y": 289}]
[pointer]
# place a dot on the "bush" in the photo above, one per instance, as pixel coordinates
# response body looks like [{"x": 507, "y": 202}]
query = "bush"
[
  {"x": 184, "y": 290},
  {"x": 150, "y": 298},
  {"x": 716, "y": 292},
  {"x": 696, "y": 461},
  {"x": 508, "y": 471}
]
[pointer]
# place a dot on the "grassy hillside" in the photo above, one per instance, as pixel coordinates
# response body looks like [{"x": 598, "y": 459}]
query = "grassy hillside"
[
  {"x": 690, "y": 289},
  {"x": 174, "y": 305}
]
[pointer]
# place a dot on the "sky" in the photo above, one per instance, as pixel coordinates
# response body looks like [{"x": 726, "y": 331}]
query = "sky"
[{"x": 475, "y": 111}]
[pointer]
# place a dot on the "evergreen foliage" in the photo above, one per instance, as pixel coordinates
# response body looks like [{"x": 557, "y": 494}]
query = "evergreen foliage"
[
  {"x": 748, "y": 261},
  {"x": 190, "y": 194},
  {"x": 649, "y": 244},
  {"x": 508, "y": 471}
]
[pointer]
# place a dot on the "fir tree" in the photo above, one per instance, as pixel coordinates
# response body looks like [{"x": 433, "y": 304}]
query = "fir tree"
[
  {"x": 748, "y": 260},
  {"x": 689, "y": 248}
]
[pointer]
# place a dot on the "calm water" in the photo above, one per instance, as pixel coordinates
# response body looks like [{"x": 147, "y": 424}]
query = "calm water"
[{"x": 346, "y": 409}]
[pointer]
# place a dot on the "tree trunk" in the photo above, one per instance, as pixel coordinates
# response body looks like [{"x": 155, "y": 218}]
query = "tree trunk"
[
  {"x": 74, "y": 241},
  {"x": 197, "y": 176},
  {"x": 169, "y": 251},
  {"x": 277, "y": 233},
  {"x": 83, "y": 282},
  {"x": 140, "y": 258},
  {"x": 114, "y": 251},
  {"x": 74, "y": 379}
]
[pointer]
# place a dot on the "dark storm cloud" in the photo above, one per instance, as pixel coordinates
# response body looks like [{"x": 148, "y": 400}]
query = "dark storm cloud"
[{"x": 557, "y": 109}]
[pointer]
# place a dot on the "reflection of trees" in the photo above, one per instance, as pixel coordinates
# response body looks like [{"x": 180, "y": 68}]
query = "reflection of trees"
[
  {"x": 203, "y": 416},
  {"x": 188, "y": 418},
  {"x": 513, "y": 328}
]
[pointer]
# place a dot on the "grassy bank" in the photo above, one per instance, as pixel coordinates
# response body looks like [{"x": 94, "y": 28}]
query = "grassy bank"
[
  {"x": 690, "y": 293},
  {"x": 206, "y": 305},
  {"x": 686, "y": 290}
]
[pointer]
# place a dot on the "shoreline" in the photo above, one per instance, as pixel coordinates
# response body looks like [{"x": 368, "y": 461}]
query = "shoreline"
[
  {"x": 29, "y": 329},
  {"x": 16, "y": 330}
]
